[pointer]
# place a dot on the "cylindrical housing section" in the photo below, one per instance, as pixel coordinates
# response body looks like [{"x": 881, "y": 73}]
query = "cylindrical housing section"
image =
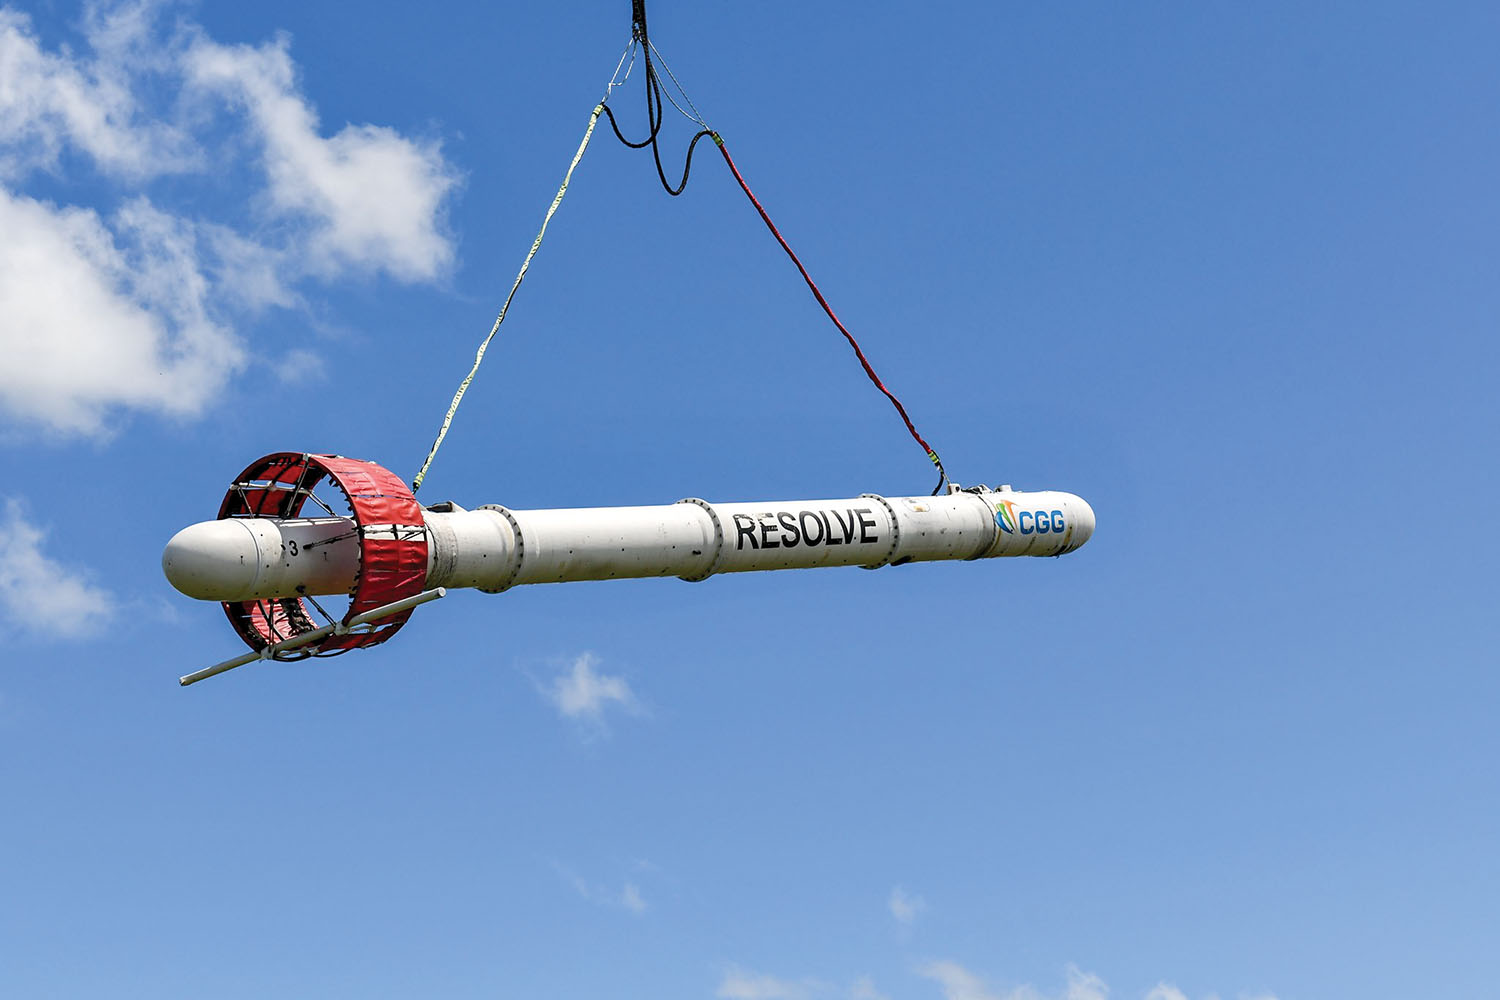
[
  {"x": 255, "y": 558},
  {"x": 495, "y": 548}
]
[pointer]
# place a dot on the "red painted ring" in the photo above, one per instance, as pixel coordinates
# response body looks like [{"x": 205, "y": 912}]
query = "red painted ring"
[{"x": 392, "y": 546}]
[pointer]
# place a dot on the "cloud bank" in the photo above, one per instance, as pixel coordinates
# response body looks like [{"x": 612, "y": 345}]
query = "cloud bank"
[{"x": 119, "y": 302}]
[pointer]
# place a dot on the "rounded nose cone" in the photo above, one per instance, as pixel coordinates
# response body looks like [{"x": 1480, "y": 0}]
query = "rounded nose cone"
[
  {"x": 212, "y": 560},
  {"x": 1083, "y": 521}
]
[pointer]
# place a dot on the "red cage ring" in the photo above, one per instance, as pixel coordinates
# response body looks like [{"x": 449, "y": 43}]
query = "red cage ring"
[{"x": 392, "y": 547}]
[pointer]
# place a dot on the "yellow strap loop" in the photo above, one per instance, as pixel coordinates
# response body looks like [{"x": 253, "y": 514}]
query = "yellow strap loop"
[{"x": 536, "y": 244}]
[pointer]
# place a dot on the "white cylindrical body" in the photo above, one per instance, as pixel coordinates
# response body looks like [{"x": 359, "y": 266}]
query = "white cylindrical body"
[{"x": 494, "y": 548}]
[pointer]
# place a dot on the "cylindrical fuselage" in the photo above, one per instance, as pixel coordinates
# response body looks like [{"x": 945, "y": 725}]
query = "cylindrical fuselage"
[{"x": 494, "y": 548}]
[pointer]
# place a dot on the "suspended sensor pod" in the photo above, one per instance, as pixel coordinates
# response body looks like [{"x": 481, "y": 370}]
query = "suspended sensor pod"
[{"x": 267, "y": 557}]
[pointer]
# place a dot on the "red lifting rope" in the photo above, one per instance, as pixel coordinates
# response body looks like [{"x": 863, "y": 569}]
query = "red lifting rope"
[
  {"x": 932, "y": 456},
  {"x": 656, "y": 98}
]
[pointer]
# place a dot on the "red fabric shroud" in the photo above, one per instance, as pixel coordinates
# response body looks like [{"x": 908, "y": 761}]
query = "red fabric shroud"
[{"x": 392, "y": 545}]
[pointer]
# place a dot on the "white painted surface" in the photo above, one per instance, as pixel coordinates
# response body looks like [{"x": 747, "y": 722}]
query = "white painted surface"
[{"x": 495, "y": 548}]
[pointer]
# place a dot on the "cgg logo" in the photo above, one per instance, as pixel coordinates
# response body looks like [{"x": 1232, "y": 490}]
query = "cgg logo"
[{"x": 1028, "y": 522}]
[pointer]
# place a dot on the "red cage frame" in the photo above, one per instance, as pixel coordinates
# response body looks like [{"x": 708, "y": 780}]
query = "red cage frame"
[{"x": 392, "y": 546}]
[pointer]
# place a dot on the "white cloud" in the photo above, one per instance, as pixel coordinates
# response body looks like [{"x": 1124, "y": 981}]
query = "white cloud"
[
  {"x": 91, "y": 323},
  {"x": 37, "y": 593},
  {"x": 1084, "y": 986},
  {"x": 374, "y": 197},
  {"x": 300, "y": 367},
  {"x": 124, "y": 304},
  {"x": 904, "y": 906},
  {"x": 630, "y": 898},
  {"x": 627, "y": 897},
  {"x": 249, "y": 276},
  {"x": 955, "y": 981},
  {"x": 1165, "y": 991},
  {"x": 49, "y": 101},
  {"x": 959, "y": 983},
  {"x": 739, "y": 984},
  {"x": 742, "y": 984},
  {"x": 582, "y": 693}
]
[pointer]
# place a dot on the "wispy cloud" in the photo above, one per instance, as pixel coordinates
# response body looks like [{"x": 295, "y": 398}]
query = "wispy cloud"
[
  {"x": 1168, "y": 991},
  {"x": 960, "y": 983},
  {"x": 583, "y": 693},
  {"x": 627, "y": 897},
  {"x": 39, "y": 594},
  {"x": 1084, "y": 986},
  {"x": 741, "y": 984},
  {"x": 123, "y": 303},
  {"x": 96, "y": 319},
  {"x": 1165, "y": 991},
  {"x": 904, "y": 906},
  {"x": 50, "y": 101},
  {"x": 955, "y": 981},
  {"x": 373, "y": 197},
  {"x": 630, "y": 898}
]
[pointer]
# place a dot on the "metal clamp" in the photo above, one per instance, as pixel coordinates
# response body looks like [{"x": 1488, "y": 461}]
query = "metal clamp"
[
  {"x": 895, "y": 530},
  {"x": 718, "y": 559},
  {"x": 520, "y": 549}
]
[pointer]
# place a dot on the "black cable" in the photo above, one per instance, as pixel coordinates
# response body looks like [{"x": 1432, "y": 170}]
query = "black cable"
[
  {"x": 655, "y": 114},
  {"x": 687, "y": 165},
  {"x": 638, "y": 20},
  {"x": 651, "y": 138},
  {"x": 655, "y": 107}
]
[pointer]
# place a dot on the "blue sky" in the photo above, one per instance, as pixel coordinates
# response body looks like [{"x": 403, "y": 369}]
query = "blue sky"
[{"x": 1228, "y": 272}]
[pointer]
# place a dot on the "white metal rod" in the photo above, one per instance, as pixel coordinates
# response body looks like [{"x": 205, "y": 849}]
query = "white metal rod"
[
  {"x": 316, "y": 635},
  {"x": 218, "y": 668},
  {"x": 395, "y": 607}
]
